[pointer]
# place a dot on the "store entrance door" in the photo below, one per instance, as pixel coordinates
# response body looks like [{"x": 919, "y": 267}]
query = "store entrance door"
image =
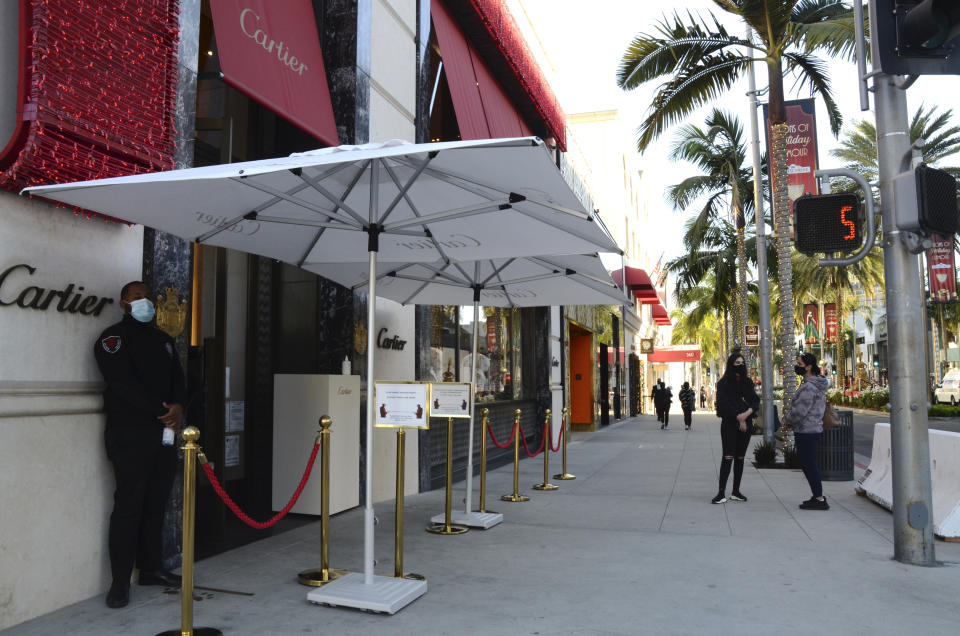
[{"x": 581, "y": 379}]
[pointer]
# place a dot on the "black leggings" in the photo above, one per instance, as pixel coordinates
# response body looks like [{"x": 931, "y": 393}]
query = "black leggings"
[{"x": 735, "y": 445}]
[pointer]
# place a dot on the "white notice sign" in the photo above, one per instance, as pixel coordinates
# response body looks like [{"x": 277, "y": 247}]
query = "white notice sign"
[
  {"x": 401, "y": 404},
  {"x": 231, "y": 450},
  {"x": 451, "y": 399}
]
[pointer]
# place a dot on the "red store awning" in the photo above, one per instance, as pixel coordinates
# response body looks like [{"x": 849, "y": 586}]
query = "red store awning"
[
  {"x": 660, "y": 315},
  {"x": 483, "y": 109},
  {"x": 270, "y": 52},
  {"x": 676, "y": 353},
  {"x": 638, "y": 281}
]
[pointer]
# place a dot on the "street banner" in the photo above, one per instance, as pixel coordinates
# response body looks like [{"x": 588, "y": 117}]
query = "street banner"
[
  {"x": 940, "y": 270},
  {"x": 830, "y": 322},
  {"x": 751, "y": 335},
  {"x": 811, "y": 323},
  {"x": 801, "y": 148}
]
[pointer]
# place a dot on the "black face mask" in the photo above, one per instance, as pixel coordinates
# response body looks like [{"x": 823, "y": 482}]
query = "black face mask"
[
  {"x": 800, "y": 370},
  {"x": 740, "y": 370}
]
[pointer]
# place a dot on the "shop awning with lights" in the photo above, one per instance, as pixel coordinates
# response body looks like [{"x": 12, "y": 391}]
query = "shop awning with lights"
[
  {"x": 660, "y": 316},
  {"x": 270, "y": 52},
  {"x": 675, "y": 353},
  {"x": 483, "y": 109}
]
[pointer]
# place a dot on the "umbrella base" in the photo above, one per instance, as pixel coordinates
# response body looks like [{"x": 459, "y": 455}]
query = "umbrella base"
[
  {"x": 482, "y": 520},
  {"x": 385, "y": 594}
]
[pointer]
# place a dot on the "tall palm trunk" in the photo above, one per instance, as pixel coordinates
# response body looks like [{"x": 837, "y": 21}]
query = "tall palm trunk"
[
  {"x": 781, "y": 216},
  {"x": 741, "y": 276},
  {"x": 842, "y": 338}
]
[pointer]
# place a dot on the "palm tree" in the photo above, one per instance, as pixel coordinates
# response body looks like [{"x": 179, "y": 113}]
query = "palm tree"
[
  {"x": 700, "y": 60},
  {"x": 718, "y": 151}
]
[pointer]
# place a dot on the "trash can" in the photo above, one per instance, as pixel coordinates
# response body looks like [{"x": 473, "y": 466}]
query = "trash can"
[{"x": 835, "y": 452}]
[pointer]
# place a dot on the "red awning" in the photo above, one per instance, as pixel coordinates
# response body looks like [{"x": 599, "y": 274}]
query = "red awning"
[
  {"x": 660, "y": 315},
  {"x": 270, "y": 52},
  {"x": 637, "y": 279},
  {"x": 676, "y": 353},
  {"x": 484, "y": 111}
]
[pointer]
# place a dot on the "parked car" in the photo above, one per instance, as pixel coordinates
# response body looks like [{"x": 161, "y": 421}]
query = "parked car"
[{"x": 948, "y": 391}]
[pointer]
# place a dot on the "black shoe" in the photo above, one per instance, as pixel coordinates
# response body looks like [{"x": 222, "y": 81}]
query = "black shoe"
[
  {"x": 661, "y": 426},
  {"x": 737, "y": 496},
  {"x": 719, "y": 499},
  {"x": 159, "y": 577},
  {"x": 118, "y": 596},
  {"x": 815, "y": 504}
]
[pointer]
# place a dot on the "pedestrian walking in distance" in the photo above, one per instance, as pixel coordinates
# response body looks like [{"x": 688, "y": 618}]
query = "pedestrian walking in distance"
[
  {"x": 666, "y": 399},
  {"x": 806, "y": 418},
  {"x": 688, "y": 402},
  {"x": 737, "y": 403},
  {"x": 703, "y": 397},
  {"x": 657, "y": 396}
]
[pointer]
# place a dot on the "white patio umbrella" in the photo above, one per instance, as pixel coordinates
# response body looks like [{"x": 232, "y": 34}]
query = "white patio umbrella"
[
  {"x": 396, "y": 202},
  {"x": 532, "y": 281}
]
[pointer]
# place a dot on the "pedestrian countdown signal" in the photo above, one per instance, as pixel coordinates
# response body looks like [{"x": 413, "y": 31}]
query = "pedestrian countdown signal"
[{"x": 827, "y": 223}]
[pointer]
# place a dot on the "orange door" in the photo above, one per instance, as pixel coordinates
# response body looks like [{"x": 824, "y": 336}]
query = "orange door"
[{"x": 581, "y": 377}]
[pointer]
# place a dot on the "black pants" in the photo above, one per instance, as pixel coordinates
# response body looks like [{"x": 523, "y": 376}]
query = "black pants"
[
  {"x": 144, "y": 471},
  {"x": 806, "y": 444},
  {"x": 735, "y": 442},
  {"x": 687, "y": 417}
]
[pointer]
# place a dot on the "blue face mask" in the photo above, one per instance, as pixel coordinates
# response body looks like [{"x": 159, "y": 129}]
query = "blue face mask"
[{"x": 142, "y": 309}]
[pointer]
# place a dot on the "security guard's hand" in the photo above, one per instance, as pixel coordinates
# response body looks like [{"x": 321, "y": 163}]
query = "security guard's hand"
[{"x": 173, "y": 415}]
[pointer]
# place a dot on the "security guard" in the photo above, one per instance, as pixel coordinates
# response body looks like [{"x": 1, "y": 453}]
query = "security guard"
[{"x": 143, "y": 402}]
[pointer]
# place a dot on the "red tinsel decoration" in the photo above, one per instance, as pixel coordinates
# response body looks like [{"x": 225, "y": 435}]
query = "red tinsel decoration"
[
  {"x": 503, "y": 29},
  {"x": 101, "y": 92}
]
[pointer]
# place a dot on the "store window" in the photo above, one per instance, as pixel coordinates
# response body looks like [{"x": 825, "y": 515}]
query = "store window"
[{"x": 500, "y": 373}]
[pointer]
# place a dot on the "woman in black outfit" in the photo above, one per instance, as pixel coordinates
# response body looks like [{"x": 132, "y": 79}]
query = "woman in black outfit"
[{"x": 737, "y": 403}]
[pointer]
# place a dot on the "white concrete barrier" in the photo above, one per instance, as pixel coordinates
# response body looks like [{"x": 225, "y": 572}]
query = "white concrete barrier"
[{"x": 877, "y": 481}]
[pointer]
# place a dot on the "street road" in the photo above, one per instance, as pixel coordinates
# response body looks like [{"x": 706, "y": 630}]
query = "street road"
[{"x": 863, "y": 429}]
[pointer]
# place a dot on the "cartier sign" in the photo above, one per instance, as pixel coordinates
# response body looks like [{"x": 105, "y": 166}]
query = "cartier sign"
[
  {"x": 394, "y": 343},
  {"x": 15, "y": 293}
]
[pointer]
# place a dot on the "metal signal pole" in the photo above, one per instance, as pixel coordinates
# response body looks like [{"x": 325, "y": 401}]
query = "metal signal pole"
[{"x": 910, "y": 447}]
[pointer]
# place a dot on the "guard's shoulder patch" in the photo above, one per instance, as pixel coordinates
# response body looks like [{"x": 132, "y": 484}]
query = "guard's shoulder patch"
[{"x": 111, "y": 344}]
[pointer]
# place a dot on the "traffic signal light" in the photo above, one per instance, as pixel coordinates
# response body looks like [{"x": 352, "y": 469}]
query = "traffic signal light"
[
  {"x": 827, "y": 223},
  {"x": 917, "y": 37},
  {"x": 926, "y": 201},
  {"x": 833, "y": 368}
]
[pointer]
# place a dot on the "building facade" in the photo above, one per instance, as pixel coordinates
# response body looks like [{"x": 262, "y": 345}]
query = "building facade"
[{"x": 163, "y": 90}]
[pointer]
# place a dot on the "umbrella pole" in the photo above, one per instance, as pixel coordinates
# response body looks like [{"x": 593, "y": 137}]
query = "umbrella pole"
[
  {"x": 368, "y": 516},
  {"x": 473, "y": 384}
]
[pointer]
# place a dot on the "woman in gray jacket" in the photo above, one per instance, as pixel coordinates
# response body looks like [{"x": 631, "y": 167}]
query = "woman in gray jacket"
[{"x": 806, "y": 419}]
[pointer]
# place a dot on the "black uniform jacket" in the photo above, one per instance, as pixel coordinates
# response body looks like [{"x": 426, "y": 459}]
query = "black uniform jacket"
[{"x": 142, "y": 370}]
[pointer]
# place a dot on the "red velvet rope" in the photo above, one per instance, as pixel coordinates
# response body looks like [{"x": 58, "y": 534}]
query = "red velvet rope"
[
  {"x": 261, "y": 525},
  {"x": 543, "y": 440},
  {"x": 494, "y": 438},
  {"x": 563, "y": 430}
]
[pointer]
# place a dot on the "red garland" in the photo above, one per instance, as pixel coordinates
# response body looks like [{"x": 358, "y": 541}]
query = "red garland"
[
  {"x": 503, "y": 29},
  {"x": 100, "y": 92}
]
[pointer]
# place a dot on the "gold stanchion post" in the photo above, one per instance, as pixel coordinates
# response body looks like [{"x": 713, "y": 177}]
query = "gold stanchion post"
[
  {"x": 516, "y": 496},
  {"x": 323, "y": 575},
  {"x": 483, "y": 463},
  {"x": 190, "y": 449},
  {"x": 447, "y": 527},
  {"x": 547, "y": 441},
  {"x": 563, "y": 425}
]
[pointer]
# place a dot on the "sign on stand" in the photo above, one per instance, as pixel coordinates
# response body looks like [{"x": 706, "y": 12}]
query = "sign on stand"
[
  {"x": 401, "y": 404},
  {"x": 451, "y": 399}
]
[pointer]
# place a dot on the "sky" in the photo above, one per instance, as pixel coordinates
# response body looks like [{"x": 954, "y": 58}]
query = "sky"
[{"x": 585, "y": 41}]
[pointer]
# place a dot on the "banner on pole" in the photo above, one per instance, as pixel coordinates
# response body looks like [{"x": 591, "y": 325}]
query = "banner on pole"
[
  {"x": 802, "y": 158},
  {"x": 830, "y": 322},
  {"x": 751, "y": 335},
  {"x": 940, "y": 270},
  {"x": 811, "y": 323}
]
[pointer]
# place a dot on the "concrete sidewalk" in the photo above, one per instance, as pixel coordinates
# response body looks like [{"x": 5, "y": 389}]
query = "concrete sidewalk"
[{"x": 632, "y": 546}]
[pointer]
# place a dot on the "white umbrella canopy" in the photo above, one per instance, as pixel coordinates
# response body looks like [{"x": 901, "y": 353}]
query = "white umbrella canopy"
[
  {"x": 532, "y": 281},
  {"x": 392, "y": 202},
  {"x": 425, "y": 203}
]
